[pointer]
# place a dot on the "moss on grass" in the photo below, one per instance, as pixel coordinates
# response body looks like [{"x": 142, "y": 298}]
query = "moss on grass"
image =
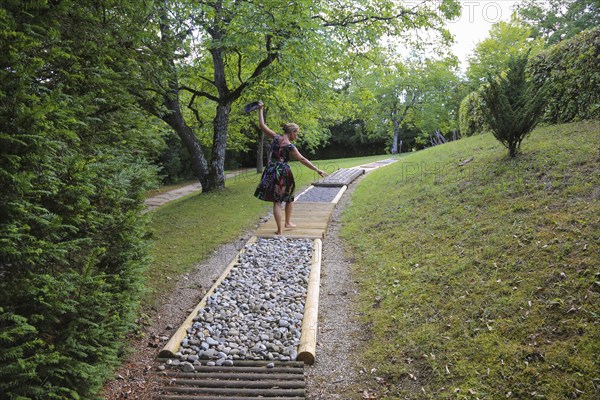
[{"x": 481, "y": 281}]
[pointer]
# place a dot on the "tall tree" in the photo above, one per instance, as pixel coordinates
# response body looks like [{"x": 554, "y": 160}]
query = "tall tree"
[
  {"x": 556, "y": 20},
  {"x": 213, "y": 52},
  {"x": 418, "y": 93}
]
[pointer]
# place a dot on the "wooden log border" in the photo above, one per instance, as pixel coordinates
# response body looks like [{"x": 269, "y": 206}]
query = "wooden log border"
[
  {"x": 340, "y": 194},
  {"x": 308, "y": 337}
]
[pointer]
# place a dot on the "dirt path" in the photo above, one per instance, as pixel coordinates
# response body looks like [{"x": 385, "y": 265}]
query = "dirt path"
[{"x": 336, "y": 373}]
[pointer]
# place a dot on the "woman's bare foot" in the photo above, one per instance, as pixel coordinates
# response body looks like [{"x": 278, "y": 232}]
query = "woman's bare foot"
[
  {"x": 279, "y": 233},
  {"x": 290, "y": 225}
]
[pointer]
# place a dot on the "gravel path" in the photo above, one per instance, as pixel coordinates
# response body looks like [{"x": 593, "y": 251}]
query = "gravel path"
[
  {"x": 319, "y": 194},
  {"x": 256, "y": 312}
]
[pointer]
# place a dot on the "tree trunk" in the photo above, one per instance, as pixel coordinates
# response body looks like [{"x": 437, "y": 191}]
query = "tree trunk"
[
  {"x": 260, "y": 152},
  {"x": 398, "y": 122},
  {"x": 262, "y": 146},
  {"x": 396, "y": 129},
  {"x": 176, "y": 121},
  {"x": 396, "y": 135},
  {"x": 216, "y": 176}
]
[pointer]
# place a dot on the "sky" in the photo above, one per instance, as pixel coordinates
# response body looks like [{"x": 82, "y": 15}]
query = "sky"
[{"x": 476, "y": 19}]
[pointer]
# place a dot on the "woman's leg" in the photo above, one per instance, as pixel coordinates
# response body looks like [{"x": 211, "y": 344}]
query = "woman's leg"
[
  {"x": 288, "y": 215},
  {"x": 278, "y": 214}
]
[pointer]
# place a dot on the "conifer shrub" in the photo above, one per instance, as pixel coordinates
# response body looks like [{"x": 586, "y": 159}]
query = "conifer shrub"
[
  {"x": 74, "y": 249},
  {"x": 571, "y": 72},
  {"x": 73, "y": 242},
  {"x": 514, "y": 104}
]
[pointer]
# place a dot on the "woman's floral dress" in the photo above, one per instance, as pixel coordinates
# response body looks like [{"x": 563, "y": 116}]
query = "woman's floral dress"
[{"x": 277, "y": 181}]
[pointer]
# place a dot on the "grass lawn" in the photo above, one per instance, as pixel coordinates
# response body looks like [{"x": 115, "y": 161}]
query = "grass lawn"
[
  {"x": 188, "y": 230},
  {"x": 167, "y": 188},
  {"x": 482, "y": 281}
]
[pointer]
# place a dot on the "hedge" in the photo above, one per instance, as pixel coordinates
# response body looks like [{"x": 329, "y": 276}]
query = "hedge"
[
  {"x": 572, "y": 70},
  {"x": 73, "y": 242}
]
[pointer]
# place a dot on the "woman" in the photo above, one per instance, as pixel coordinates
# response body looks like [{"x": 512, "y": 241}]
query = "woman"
[{"x": 277, "y": 181}]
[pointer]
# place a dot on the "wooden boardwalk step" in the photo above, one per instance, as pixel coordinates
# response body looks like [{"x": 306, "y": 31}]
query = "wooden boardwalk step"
[
  {"x": 311, "y": 221},
  {"x": 341, "y": 177},
  {"x": 269, "y": 393},
  {"x": 183, "y": 397},
  {"x": 242, "y": 382}
]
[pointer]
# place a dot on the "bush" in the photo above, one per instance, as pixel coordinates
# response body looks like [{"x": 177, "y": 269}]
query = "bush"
[
  {"x": 73, "y": 250},
  {"x": 513, "y": 103},
  {"x": 571, "y": 69},
  {"x": 472, "y": 115}
]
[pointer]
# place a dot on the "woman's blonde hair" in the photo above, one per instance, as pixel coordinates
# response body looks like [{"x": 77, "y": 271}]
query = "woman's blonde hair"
[{"x": 289, "y": 128}]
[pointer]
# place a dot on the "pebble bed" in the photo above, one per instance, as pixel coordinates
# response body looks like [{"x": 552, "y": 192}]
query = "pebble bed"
[
  {"x": 256, "y": 312},
  {"x": 322, "y": 194}
]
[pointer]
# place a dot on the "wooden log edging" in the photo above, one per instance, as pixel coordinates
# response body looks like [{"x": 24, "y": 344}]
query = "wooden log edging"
[
  {"x": 172, "y": 346},
  {"x": 340, "y": 194},
  {"x": 308, "y": 337}
]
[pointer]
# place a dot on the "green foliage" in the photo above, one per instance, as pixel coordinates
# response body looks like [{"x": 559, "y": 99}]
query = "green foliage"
[
  {"x": 513, "y": 104},
  {"x": 571, "y": 71},
  {"x": 492, "y": 55},
  {"x": 481, "y": 281},
  {"x": 438, "y": 108},
  {"x": 72, "y": 243},
  {"x": 472, "y": 115},
  {"x": 558, "y": 20},
  {"x": 415, "y": 94}
]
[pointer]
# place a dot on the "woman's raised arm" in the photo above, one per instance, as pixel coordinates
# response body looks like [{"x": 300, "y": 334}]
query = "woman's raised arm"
[{"x": 261, "y": 122}]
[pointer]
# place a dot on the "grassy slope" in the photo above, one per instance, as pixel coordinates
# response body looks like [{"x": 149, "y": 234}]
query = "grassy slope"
[
  {"x": 483, "y": 281},
  {"x": 188, "y": 230}
]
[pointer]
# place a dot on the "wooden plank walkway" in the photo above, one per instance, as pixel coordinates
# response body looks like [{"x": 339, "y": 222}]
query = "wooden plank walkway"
[{"x": 311, "y": 220}]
